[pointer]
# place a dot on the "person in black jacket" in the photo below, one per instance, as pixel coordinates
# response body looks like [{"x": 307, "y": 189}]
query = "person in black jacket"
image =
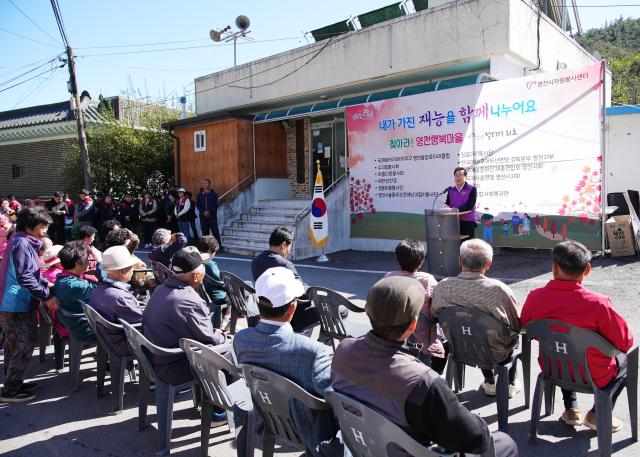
[
  {"x": 58, "y": 211},
  {"x": 207, "y": 203},
  {"x": 376, "y": 370},
  {"x": 129, "y": 213}
]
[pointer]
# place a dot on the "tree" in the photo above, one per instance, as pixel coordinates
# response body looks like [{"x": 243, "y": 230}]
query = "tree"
[
  {"x": 619, "y": 44},
  {"x": 125, "y": 157}
]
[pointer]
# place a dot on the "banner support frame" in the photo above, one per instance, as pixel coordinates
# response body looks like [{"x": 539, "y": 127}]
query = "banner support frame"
[{"x": 603, "y": 194}]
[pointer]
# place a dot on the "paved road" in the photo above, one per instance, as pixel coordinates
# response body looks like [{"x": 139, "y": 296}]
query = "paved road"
[{"x": 79, "y": 425}]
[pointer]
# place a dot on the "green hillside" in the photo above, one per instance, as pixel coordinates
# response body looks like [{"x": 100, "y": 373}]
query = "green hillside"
[{"x": 619, "y": 44}]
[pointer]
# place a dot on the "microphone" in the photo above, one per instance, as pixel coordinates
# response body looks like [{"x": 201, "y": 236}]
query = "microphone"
[{"x": 445, "y": 191}]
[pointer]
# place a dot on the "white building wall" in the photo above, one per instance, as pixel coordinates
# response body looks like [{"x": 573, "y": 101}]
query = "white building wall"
[
  {"x": 454, "y": 33},
  {"x": 405, "y": 49},
  {"x": 622, "y": 159}
]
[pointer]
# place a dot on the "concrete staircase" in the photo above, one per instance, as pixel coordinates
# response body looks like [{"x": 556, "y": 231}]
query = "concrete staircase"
[{"x": 249, "y": 235}]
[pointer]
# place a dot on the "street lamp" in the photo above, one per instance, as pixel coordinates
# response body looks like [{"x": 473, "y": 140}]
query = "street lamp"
[{"x": 226, "y": 34}]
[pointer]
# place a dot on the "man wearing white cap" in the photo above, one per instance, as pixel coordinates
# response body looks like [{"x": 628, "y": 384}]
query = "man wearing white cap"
[
  {"x": 272, "y": 344},
  {"x": 113, "y": 299}
]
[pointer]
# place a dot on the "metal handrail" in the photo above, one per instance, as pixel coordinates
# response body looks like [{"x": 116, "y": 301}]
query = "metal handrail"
[
  {"x": 306, "y": 209},
  {"x": 235, "y": 187}
]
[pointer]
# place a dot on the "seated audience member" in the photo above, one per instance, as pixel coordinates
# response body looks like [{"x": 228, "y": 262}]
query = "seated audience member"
[
  {"x": 73, "y": 287},
  {"x": 374, "y": 369},
  {"x": 472, "y": 289},
  {"x": 51, "y": 268},
  {"x": 123, "y": 237},
  {"x": 87, "y": 234},
  {"x": 411, "y": 255},
  {"x": 273, "y": 345},
  {"x": 208, "y": 247},
  {"x": 565, "y": 299},
  {"x": 113, "y": 298},
  {"x": 176, "y": 311},
  {"x": 280, "y": 245},
  {"x": 165, "y": 245},
  {"x": 108, "y": 227},
  {"x": 46, "y": 244},
  {"x": 6, "y": 228}
]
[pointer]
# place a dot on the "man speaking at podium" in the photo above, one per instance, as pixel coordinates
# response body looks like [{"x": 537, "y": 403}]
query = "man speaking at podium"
[{"x": 463, "y": 196}]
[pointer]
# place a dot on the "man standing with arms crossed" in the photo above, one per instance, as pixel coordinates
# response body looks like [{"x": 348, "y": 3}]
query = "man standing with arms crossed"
[{"x": 207, "y": 204}]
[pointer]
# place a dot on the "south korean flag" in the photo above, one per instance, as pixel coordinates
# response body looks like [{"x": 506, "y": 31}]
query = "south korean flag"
[{"x": 318, "y": 223}]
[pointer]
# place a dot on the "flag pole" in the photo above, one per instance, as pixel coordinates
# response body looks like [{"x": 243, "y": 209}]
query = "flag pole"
[{"x": 322, "y": 258}]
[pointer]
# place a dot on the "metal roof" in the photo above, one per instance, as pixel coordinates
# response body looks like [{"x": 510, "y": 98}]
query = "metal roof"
[
  {"x": 372, "y": 97},
  {"x": 47, "y": 114}
]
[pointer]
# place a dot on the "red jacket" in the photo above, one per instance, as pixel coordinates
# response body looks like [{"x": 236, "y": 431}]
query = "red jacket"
[{"x": 571, "y": 303}]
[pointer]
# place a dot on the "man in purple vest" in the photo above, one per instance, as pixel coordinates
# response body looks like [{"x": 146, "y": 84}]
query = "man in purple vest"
[
  {"x": 375, "y": 370},
  {"x": 463, "y": 196}
]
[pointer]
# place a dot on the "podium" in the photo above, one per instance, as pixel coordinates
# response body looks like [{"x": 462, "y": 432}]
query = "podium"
[{"x": 443, "y": 241}]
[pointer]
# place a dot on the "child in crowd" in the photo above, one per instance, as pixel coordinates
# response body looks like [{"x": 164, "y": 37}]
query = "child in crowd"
[{"x": 87, "y": 235}]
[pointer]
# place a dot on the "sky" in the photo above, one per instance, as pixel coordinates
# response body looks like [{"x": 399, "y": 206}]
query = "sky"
[{"x": 155, "y": 48}]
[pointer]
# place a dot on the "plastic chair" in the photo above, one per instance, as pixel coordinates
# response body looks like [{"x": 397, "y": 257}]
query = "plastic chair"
[
  {"x": 117, "y": 363},
  {"x": 466, "y": 329},
  {"x": 367, "y": 433},
  {"x": 242, "y": 298},
  {"x": 271, "y": 395},
  {"x": 563, "y": 348},
  {"x": 209, "y": 367},
  {"x": 164, "y": 393},
  {"x": 160, "y": 271},
  {"x": 45, "y": 330},
  {"x": 327, "y": 304},
  {"x": 45, "y": 340},
  {"x": 75, "y": 352}
]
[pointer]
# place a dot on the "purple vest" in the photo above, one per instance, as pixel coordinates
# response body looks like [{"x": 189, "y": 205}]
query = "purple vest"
[{"x": 458, "y": 198}]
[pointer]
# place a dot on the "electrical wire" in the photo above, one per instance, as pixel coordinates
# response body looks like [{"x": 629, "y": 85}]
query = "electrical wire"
[
  {"x": 29, "y": 79},
  {"x": 27, "y": 72},
  {"x": 37, "y": 88},
  {"x": 27, "y": 38},
  {"x": 20, "y": 67},
  {"x": 291, "y": 72},
  {"x": 182, "y": 48},
  {"x": 34, "y": 22},
  {"x": 58, "y": 16}
]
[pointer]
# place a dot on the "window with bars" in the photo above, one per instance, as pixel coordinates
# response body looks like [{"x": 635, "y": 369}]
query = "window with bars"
[
  {"x": 200, "y": 140},
  {"x": 17, "y": 171}
]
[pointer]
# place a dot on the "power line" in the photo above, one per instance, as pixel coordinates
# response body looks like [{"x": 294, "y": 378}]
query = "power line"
[
  {"x": 182, "y": 48},
  {"x": 33, "y": 77},
  {"x": 58, "y": 16},
  {"x": 20, "y": 67},
  {"x": 27, "y": 38},
  {"x": 291, "y": 72},
  {"x": 28, "y": 71},
  {"x": 34, "y": 22},
  {"x": 37, "y": 88}
]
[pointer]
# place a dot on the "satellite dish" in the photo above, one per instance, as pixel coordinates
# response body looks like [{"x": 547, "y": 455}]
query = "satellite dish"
[{"x": 242, "y": 22}]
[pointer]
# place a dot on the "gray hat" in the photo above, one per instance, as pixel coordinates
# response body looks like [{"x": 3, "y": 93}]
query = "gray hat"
[{"x": 395, "y": 300}]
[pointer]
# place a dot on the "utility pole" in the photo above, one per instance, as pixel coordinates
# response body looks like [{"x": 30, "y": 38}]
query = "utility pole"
[{"x": 82, "y": 134}]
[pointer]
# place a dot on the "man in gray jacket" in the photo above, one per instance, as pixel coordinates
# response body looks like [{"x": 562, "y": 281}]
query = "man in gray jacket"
[
  {"x": 272, "y": 344},
  {"x": 176, "y": 311}
]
